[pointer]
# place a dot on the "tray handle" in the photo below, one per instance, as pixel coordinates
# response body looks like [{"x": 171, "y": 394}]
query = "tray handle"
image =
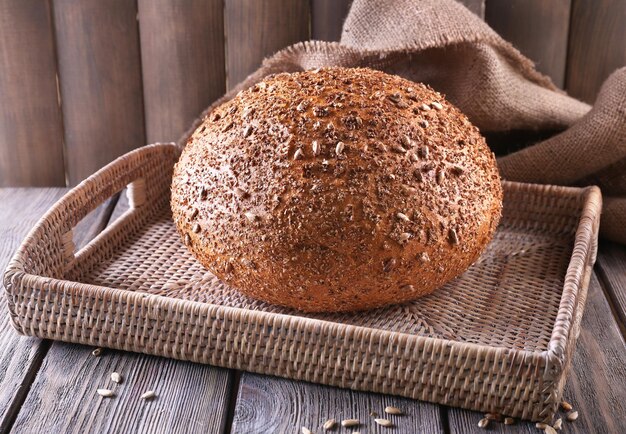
[{"x": 49, "y": 247}]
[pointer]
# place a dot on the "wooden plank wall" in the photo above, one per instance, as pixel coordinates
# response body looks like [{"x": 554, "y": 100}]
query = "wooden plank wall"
[{"x": 84, "y": 81}]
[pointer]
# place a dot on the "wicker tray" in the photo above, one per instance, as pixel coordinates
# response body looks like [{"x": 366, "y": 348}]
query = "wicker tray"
[{"x": 499, "y": 338}]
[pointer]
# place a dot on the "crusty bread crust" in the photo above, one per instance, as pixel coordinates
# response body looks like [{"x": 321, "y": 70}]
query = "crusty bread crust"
[{"x": 336, "y": 189}]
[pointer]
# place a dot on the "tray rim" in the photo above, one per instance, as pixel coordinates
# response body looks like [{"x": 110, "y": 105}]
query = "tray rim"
[{"x": 555, "y": 357}]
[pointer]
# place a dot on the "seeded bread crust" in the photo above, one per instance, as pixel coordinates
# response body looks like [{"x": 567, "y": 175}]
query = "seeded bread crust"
[{"x": 335, "y": 190}]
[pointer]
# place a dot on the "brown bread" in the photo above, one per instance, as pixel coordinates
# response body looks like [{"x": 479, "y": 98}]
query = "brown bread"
[{"x": 336, "y": 189}]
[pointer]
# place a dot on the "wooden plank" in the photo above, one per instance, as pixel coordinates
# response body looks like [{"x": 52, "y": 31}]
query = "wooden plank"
[
  {"x": 270, "y": 404},
  {"x": 539, "y": 29},
  {"x": 182, "y": 60},
  {"x": 100, "y": 80},
  {"x": 596, "y": 45},
  {"x": 20, "y": 357},
  {"x": 31, "y": 128},
  {"x": 191, "y": 398},
  {"x": 257, "y": 29},
  {"x": 595, "y": 386},
  {"x": 611, "y": 267},
  {"x": 327, "y": 17},
  {"x": 476, "y": 6}
]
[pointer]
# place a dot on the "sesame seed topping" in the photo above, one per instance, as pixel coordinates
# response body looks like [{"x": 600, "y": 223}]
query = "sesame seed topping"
[
  {"x": 317, "y": 148},
  {"x": 298, "y": 155},
  {"x": 437, "y": 105},
  {"x": 339, "y": 148},
  {"x": 403, "y": 217}
]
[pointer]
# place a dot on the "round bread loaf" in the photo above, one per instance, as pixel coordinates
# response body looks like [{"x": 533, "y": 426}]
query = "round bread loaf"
[{"x": 335, "y": 190}]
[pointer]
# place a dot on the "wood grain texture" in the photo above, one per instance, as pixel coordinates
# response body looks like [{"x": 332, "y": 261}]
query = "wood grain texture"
[
  {"x": 257, "y": 29},
  {"x": 21, "y": 356},
  {"x": 595, "y": 386},
  {"x": 100, "y": 80},
  {"x": 31, "y": 127},
  {"x": 327, "y": 17},
  {"x": 596, "y": 45},
  {"x": 190, "y": 398},
  {"x": 476, "y": 6},
  {"x": 182, "y": 59},
  {"x": 611, "y": 266},
  {"x": 275, "y": 405},
  {"x": 538, "y": 28}
]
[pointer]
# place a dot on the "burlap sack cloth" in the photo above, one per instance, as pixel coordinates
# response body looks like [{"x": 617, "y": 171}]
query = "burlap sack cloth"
[{"x": 441, "y": 43}]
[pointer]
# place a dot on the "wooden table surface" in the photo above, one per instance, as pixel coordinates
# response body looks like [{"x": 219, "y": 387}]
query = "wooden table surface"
[{"x": 51, "y": 386}]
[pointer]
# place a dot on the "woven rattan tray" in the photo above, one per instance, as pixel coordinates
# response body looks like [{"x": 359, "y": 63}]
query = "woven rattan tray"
[{"x": 499, "y": 338}]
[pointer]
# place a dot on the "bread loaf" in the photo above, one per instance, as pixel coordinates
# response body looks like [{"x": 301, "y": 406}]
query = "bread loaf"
[{"x": 336, "y": 189}]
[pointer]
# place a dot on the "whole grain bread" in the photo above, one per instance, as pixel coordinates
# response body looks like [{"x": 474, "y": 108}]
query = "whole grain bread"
[{"x": 336, "y": 189}]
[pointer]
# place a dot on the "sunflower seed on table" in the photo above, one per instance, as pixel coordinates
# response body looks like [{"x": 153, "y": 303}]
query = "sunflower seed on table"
[
  {"x": 541, "y": 425},
  {"x": 549, "y": 430},
  {"x": 566, "y": 406},
  {"x": 392, "y": 410},
  {"x": 148, "y": 394},
  {"x": 350, "y": 422},
  {"x": 305, "y": 430},
  {"x": 384, "y": 422},
  {"x": 483, "y": 423},
  {"x": 97, "y": 352},
  {"x": 329, "y": 424},
  {"x": 106, "y": 393},
  {"x": 116, "y": 377},
  {"x": 558, "y": 424},
  {"x": 572, "y": 416}
]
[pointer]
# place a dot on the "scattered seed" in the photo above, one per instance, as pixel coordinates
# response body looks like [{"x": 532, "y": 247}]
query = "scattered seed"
[
  {"x": 339, "y": 148},
  {"x": 395, "y": 97},
  {"x": 397, "y": 148},
  {"x": 298, "y": 154},
  {"x": 558, "y": 424},
  {"x": 457, "y": 170},
  {"x": 389, "y": 265},
  {"x": 453, "y": 237},
  {"x": 97, "y": 352},
  {"x": 302, "y": 106},
  {"x": 417, "y": 173},
  {"x": 241, "y": 193},
  {"x": 305, "y": 430},
  {"x": 549, "y": 430},
  {"x": 541, "y": 425},
  {"x": 437, "y": 105},
  {"x": 194, "y": 213},
  {"x": 148, "y": 395},
  {"x": 392, "y": 410},
  {"x": 483, "y": 423},
  {"x": 250, "y": 216},
  {"x": 187, "y": 239},
  {"x": 350, "y": 422},
  {"x": 424, "y": 152},
  {"x": 116, "y": 377},
  {"x": 413, "y": 157},
  {"x": 406, "y": 141},
  {"x": 423, "y": 257},
  {"x": 196, "y": 228},
  {"x": 106, "y": 393},
  {"x": 317, "y": 148},
  {"x": 403, "y": 217},
  {"x": 425, "y": 107},
  {"x": 509, "y": 421},
  {"x": 247, "y": 131},
  {"x": 408, "y": 288},
  {"x": 572, "y": 416},
  {"x": 329, "y": 424},
  {"x": 383, "y": 422},
  {"x": 440, "y": 176},
  {"x": 424, "y": 123},
  {"x": 566, "y": 406},
  {"x": 404, "y": 237}
]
